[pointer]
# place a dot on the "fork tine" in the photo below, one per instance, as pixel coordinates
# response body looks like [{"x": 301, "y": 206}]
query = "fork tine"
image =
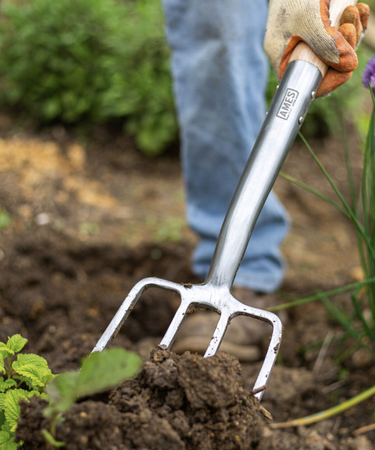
[
  {"x": 175, "y": 324},
  {"x": 272, "y": 352},
  {"x": 121, "y": 315},
  {"x": 217, "y": 336},
  {"x": 128, "y": 305}
]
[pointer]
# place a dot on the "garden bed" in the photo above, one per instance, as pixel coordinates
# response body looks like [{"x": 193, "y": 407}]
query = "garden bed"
[{"x": 68, "y": 260}]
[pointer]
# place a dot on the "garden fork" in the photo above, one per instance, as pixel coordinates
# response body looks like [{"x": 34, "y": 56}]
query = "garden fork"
[{"x": 283, "y": 120}]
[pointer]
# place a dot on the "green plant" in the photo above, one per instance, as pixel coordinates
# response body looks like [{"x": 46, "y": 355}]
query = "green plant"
[
  {"x": 5, "y": 219},
  {"x": 359, "y": 323},
  {"x": 89, "y": 61},
  {"x": 25, "y": 376},
  {"x": 99, "y": 372}
]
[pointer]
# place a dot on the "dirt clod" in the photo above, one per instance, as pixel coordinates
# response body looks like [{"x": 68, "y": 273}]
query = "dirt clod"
[{"x": 175, "y": 403}]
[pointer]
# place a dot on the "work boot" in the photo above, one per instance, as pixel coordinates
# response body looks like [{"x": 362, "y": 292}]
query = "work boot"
[{"x": 243, "y": 336}]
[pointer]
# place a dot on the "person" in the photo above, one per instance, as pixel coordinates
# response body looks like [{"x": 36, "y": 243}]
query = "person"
[{"x": 220, "y": 74}]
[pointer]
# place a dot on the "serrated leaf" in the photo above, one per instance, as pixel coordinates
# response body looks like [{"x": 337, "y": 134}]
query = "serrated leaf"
[
  {"x": 30, "y": 359},
  {"x": 12, "y": 408},
  {"x": 7, "y": 441},
  {"x": 25, "y": 380},
  {"x": 5, "y": 351},
  {"x": 5, "y": 426},
  {"x": 10, "y": 383},
  {"x": 16, "y": 343},
  {"x": 31, "y": 372},
  {"x": 2, "y": 401},
  {"x": 47, "y": 377},
  {"x": 2, "y": 364},
  {"x": 34, "y": 367}
]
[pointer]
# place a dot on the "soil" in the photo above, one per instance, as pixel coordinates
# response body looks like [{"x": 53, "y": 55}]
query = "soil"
[
  {"x": 175, "y": 402},
  {"x": 89, "y": 219}
]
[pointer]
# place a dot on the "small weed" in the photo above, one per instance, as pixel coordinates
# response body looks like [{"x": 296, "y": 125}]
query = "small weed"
[
  {"x": 169, "y": 229},
  {"x": 25, "y": 376},
  {"x": 5, "y": 219},
  {"x": 89, "y": 228},
  {"x": 359, "y": 322},
  {"x": 99, "y": 372}
]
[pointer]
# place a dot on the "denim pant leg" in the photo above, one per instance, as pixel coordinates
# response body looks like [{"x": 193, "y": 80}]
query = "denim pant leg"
[{"x": 220, "y": 75}]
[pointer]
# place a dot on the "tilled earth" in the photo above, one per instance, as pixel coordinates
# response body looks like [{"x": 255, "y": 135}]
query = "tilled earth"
[
  {"x": 175, "y": 402},
  {"x": 89, "y": 221}
]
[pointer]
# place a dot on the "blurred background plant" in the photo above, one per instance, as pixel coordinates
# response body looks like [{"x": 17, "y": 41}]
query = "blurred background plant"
[
  {"x": 359, "y": 320},
  {"x": 90, "y": 62},
  {"x": 356, "y": 316}
]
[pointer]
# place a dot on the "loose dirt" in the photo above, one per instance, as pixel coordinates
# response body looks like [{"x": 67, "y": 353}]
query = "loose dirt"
[
  {"x": 90, "y": 219},
  {"x": 180, "y": 403}
]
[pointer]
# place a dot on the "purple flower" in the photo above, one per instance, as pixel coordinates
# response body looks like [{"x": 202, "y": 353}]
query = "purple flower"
[{"x": 369, "y": 74}]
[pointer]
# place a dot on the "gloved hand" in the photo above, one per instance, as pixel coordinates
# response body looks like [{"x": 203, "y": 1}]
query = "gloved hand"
[{"x": 292, "y": 21}]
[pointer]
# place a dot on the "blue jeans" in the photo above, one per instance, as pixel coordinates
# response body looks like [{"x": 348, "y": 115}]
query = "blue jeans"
[{"x": 220, "y": 75}]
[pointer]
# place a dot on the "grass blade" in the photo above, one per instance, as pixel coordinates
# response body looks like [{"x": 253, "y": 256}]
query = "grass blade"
[
  {"x": 308, "y": 420},
  {"x": 315, "y": 192},
  {"x": 320, "y": 295}
]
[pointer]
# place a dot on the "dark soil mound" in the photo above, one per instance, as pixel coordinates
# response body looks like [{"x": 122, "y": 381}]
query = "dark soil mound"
[{"x": 174, "y": 403}]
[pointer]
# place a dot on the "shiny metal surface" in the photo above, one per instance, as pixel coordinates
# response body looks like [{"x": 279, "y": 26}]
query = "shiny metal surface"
[{"x": 283, "y": 120}]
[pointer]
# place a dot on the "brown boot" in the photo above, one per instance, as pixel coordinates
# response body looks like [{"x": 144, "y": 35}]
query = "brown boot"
[{"x": 243, "y": 335}]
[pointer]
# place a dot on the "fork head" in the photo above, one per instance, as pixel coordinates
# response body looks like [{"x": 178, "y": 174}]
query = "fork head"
[{"x": 209, "y": 296}]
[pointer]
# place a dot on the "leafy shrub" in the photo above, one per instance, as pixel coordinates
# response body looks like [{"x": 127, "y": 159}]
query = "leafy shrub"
[
  {"x": 94, "y": 61},
  {"x": 25, "y": 377},
  {"x": 89, "y": 60}
]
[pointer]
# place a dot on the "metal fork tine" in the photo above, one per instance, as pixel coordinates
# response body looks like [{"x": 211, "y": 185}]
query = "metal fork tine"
[
  {"x": 121, "y": 315},
  {"x": 217, "y": 336},
  {"x": 179, "y": 316}
]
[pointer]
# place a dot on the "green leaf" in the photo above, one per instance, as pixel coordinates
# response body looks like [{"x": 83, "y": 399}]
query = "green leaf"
[
  {"x": 107, "y": 369},
  {"x": 2, "y": 364},
  {"x": 5, "y": 350},
  {"x": 2, "y": 401},
  {"x": 12, "y": 408},
  {"x": 34, "y": 367},
  {"x": 32, "y": 372},
  {"x": 61, "y": 393},
  {"x": 25, "y": 380},
  {"x": 7, "y": 384},
  {"x": 31, "y": 359},
  {"x": 16, "y": 343},
  {"x": 49, "y": 438},
  {"x": 5, "y": 219},
  {"x": 99, "y": 371},
  {"x": 7, "y": 441}
]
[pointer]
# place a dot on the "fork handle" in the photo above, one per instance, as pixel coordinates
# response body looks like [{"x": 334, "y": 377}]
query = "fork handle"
[
  {"x": 288, "y": 109},
  {"x": 283, "y": 121}
]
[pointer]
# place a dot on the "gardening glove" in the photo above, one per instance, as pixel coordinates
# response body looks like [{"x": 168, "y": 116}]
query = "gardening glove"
[{"x": 292, "y": 21}]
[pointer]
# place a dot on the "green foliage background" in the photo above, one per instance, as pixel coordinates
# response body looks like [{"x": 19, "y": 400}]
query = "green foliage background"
[
  {"x": 98, "y": 61},
  {"x": 89, "y": 60}
]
